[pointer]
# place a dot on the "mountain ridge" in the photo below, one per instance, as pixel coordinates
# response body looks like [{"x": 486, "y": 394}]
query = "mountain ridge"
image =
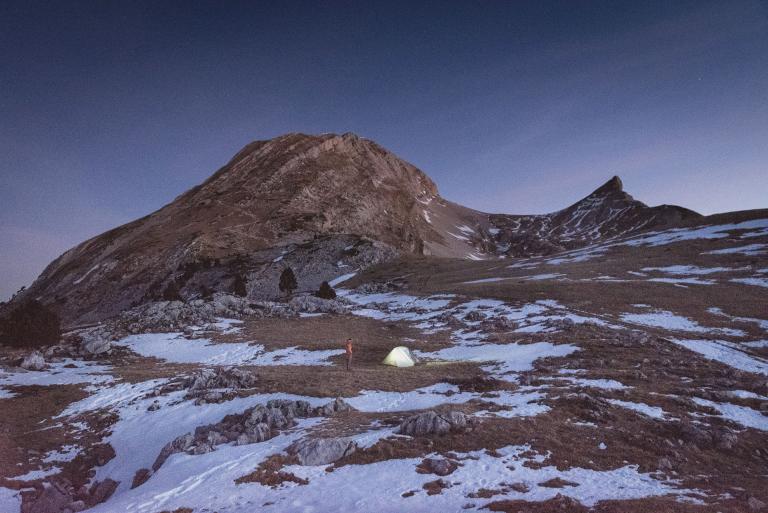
[{"x": 322, "y": 205}]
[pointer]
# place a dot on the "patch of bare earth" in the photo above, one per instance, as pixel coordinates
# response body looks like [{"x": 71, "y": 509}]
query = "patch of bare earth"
[
  {"x": 30, "y": 430},
  {"x": 270, "y": 472}
]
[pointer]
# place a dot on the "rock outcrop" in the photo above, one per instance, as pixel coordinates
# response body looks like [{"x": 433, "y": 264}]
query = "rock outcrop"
[
  {"x": 164, "y": 316},
  {"x": 432, "y": 423},
  {"x": 34, "y": 361},
  {"x": 254, "y": 425},
  {"x": 58, "y": 495},
  {"x": 322, "y": 451},
  {"x": 216, "y": 384}
]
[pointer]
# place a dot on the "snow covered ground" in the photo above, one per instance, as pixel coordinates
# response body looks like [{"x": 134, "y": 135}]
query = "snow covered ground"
[
  {"x": 66, "y": 372},
  {"x": 174, "y": 347},
  {"x": 209, "y": 480}
]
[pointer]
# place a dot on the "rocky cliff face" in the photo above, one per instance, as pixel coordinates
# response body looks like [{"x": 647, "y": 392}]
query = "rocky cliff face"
[{"x": 322, "y": 205}]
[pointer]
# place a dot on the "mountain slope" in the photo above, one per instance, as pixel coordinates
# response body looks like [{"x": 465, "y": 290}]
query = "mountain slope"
[{"x": 323, "y": 205}]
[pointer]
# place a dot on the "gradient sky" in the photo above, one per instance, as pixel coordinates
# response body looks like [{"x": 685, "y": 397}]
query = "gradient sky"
[{"x": 110, "y": 109}]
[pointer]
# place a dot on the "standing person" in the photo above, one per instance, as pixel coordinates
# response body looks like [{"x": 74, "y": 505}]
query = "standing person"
[{"x": 349, "y": 354}]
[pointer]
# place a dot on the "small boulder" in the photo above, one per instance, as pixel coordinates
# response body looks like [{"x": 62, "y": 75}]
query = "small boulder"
[
  {"x": 180, "y": 444},
  {"x": 313, "y": 304},
  {"x": 338, "y": 405},
  {"x": 434, "y": 423},
  {"x": 291, "y": 408},
  {"x": 254, "y": 434},
  {"x": 322, "y": 451},
  {"x": 474, "y": 316},
  {"x": 55, "y": 496},
  {"x": 140, "y": 477},
  {"x": 725, "y": 439},
  {"x": 101, "y": 491},
  {"x": 34, "y": 361},
  {"x": 755, "y": 504},
  {"x": 95, "y": 341},
  {"x": 439, "y": 466}
]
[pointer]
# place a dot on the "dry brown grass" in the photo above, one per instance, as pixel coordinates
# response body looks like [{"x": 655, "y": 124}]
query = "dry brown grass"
[
  {"x": 270, "y": 472},
  {"x": 30, "y": 430}
]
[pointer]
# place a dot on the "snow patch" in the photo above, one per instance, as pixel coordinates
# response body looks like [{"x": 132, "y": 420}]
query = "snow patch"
[
  {"x": 650, "y": 411},
  {"x": 341, "y": 279},
  {"x": 750, "y": 249},
  {"x": 757, "y": 282},
  {"x": 727, "y": 353},
  {"x": 738, "y": 414},
  {"x": 670, "y": 321},
  {"x": 173, "y": 347}
]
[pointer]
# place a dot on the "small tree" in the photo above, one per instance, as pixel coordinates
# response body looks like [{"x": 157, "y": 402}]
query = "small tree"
[
  {"x": 239, "y": 286},
  {"x": 326, "y": 291},
  {"x": 30, "y": 324},
  {"x": 288, "y": 281}
]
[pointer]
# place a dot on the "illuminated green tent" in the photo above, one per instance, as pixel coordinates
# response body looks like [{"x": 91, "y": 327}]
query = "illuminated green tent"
[{"x": 400, "y": 357}]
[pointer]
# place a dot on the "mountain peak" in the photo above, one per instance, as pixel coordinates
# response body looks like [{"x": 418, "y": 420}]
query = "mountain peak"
[{"x": 612, "y": 185}]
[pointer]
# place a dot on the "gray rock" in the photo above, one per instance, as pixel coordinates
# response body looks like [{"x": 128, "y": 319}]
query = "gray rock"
[
  {"x": 55, "y": 496},
  {"x": 140, "y": 477},
  {"x": 254, "y": 434},
  {"x": 312, "y": 304},
  {"x": 498, "y": 324},
  {"x": 202, "y": 382},
  {"x": 665, "y": 464},
  {"x": 433, "y": 423},
  {"x": 201, "y": 448},
  {"x": 725, "y": 439},
  {"x": 755, "y": 504},
  {"x": 322, "y": 451},
  {"x": 180, "y": 444},
  {"x": 291, "y": 408},
  {"x": 95, "y": 341},
  {"x": 101, "y": 491},
  {"x": 474, "y": 316},
  {"x": 34, "y": 361},
  {"x": 338, "y": 405},
  {"x": 176, "y": 315},
  {"x": 254, "y": 425},
  {"x": 77, "y": 506}
]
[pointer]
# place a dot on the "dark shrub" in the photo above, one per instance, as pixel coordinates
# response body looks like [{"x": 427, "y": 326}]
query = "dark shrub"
[
  {"x": 239, "y": 286},
  {"x": 326, "y": 291},
  {"x": 205, "y": 291},
  {"x": 288, "y": 281},
  {"x": 30, "y": 325}
]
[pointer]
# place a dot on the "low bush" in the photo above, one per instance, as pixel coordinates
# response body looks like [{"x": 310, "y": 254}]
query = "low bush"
[
  {"x": 326, "y": 291},
  {"x": 30, "y": 324}
]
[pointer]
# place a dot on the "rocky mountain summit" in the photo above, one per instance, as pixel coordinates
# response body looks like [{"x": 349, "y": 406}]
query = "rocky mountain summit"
[
  {"x": 322, "y": 206},
  {"x": 607, "y": 212}
]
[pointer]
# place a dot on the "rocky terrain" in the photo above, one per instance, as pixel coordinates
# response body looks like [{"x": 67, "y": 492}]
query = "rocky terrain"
[{"x": 610, "y": 357}]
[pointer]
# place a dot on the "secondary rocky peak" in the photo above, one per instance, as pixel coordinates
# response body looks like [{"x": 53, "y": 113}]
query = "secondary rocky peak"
[{"x": 612, "y": 185}]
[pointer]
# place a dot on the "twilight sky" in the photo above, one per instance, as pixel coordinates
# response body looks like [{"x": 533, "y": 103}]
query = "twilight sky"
[{"x": 110, "y": 109}]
